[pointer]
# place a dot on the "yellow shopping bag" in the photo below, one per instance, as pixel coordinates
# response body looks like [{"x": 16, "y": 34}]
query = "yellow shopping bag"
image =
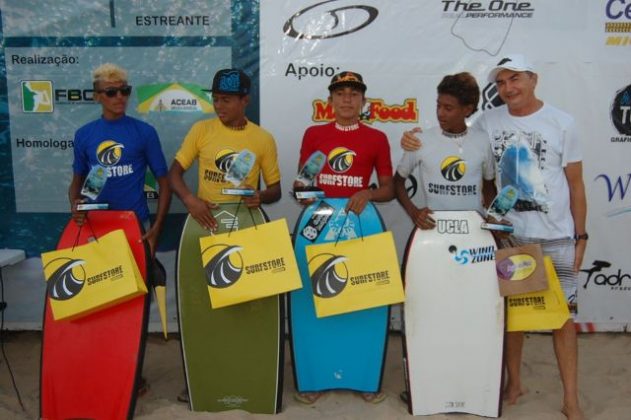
[
  {"x": 249, "y": 264},
  {"x": 354, "y": 274},
  {"x": 544, "y": 310},
  {"x": 92, "y": 276}
]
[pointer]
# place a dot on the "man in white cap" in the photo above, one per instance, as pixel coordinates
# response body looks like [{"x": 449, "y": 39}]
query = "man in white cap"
[{"x": 537, "y": 149}]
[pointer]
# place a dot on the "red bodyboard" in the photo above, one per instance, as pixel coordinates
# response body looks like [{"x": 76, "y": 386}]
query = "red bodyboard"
[{"x": 90, "y": 366}]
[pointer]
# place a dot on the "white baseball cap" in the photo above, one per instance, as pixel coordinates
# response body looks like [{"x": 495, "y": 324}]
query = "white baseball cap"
[{"x": 514, "y": 62}]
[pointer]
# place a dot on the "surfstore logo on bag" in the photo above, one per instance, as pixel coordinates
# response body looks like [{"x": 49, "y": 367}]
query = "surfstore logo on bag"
[
  {"x": 374, "y": 110},
  {"x": 225, "y": 266},
  {"x": 323, "y": 20},
  {"x": 67, "y": 279},
  {"x": 331, "y": 275},
  {"x": 472, "y": 255},
  {"x": 453, "y": 168}
]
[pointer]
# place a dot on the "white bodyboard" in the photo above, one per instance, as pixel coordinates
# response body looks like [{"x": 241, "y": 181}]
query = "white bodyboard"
[{"x": 454, "y": 318}]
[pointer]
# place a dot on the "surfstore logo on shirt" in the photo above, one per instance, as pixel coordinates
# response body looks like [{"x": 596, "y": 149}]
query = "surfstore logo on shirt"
[
  {"x": 223, "y": 161},
  {"x": 453, "y": 168},
  {"x": 472, "y": 255},
  {"x": 340, "y": 159},
  {"x": 109, "y": 153}
]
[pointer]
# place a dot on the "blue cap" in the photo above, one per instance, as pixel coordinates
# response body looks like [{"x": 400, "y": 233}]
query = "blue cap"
[{"x": 231, "y": 82}]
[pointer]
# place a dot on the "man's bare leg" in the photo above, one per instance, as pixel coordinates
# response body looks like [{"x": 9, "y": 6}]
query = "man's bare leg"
[
  {"x": 566, "y": 350},
  {"x": 514, "y": 346}
]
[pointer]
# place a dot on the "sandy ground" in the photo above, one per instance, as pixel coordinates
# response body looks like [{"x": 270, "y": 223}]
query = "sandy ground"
[{"x": 604, "y": 375}]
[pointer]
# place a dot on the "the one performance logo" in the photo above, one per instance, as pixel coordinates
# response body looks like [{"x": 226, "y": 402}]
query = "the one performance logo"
[
  {"x": 340, "y": 159},
  {"x": 453, "y": 168},
  {"x": 67, "y": 280},
  {"x": 225, "y": 266},
  {"x": 224, "y": 159},
  {"x": 330, "y": 275},
  {"x": 109, "y": 152}
]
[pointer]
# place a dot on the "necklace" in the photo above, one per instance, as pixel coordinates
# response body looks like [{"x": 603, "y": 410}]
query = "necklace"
[
  {"x": 238, "y": 127},
  {"x": 351, "y": 127},
  {"x": 457, "y": 138}
]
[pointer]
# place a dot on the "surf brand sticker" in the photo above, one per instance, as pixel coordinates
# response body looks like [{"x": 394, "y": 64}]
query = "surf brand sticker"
[
  {"x": 317, "y": 222},
  {"x": 516, "y": 267},
  {"x": 472, "y": 255}
]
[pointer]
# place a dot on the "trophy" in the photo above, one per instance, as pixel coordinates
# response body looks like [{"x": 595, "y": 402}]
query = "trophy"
[
  {"x": 307, "y": 175},
  {"x": 92, "y": 187},
  {"x": 502, "y": 204},
  {"x": 238, "y": 171}
]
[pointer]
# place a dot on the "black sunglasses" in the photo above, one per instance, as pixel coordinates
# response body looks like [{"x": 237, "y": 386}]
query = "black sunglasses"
[{"x": 111, "y": 92}]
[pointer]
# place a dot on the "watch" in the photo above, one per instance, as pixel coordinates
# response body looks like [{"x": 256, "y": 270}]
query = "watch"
[{"x": 583, "y": 236}]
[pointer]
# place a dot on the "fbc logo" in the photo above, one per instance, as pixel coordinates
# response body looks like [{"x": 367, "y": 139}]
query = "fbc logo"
[
  {"x": 37, "y": 96},
  {"x": 621, "y": 113},
  {"x": 340, "y": 159}
]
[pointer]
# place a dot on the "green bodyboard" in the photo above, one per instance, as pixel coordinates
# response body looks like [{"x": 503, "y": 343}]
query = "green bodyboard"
[{"x": 233, "y": 356}]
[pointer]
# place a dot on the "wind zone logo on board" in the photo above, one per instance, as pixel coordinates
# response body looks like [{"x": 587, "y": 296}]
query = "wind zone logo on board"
[
  {"x": 472, "y": 255},
  {"x": 374, "y": 110}
]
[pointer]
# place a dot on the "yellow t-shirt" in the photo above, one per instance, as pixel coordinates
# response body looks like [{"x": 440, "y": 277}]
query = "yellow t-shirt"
[{"x": 215, "y": 146}]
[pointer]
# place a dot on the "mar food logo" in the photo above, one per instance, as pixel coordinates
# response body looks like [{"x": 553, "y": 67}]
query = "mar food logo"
[
  {"x": 67, "y": 278},
  {"x": 37, "y": 96},
  {"x": 453, "y": 168},
  {"x": 225, "y": 265},
  {"x": 109, "y": 152},
  {"x": 340, "y": 159},
  {"x": 621, "y": 115},
  {"x": 329, "y": 274}
]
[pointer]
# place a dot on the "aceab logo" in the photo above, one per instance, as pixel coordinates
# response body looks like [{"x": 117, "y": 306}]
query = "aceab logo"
[
  {"x": 67, "y": 279},
  {"x": 621, "y": 114},
  {"x": 597, "y": 277}
]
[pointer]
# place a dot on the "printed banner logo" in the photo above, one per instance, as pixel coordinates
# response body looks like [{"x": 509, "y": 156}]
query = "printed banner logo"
[
  {"x": 37, "y": 96},
  {"x": 330, "y": 274},
  {"x": 621, "y": 115},
  {"x": 617, "y": 188},
  {"x": 67, "y": 280},
  {"x": 173, "y": 97},
  {"x": 374, "y": 110},
  {"x": 617, "y": 281},
  {"x": 618, "y": 14},
  {"x": 321, "y": 22},
  {"x": 225, "y": 266}
]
